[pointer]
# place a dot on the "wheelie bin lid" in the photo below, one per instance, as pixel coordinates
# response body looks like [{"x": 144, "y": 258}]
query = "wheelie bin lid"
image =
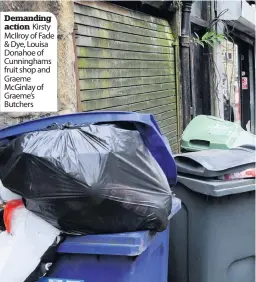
[
  {"x": 144, "y": 123},
  {"x": 209, "y": 132},
  {"x": 214, "y": 163},
  {"x": 123, "y": 244},
  {"x": 217, "y": 188}
]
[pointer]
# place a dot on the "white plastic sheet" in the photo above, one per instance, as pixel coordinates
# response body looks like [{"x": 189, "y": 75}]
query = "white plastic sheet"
[{"x": 22, "y": 250}]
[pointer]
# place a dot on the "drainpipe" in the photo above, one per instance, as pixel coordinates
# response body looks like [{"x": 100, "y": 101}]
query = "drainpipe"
[{"x": 185, "y": 61}]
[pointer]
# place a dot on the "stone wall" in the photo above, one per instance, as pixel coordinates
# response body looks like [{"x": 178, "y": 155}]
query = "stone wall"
[{"x": 63, "y": 10}]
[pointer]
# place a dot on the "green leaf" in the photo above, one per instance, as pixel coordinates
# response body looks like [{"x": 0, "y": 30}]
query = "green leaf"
[
  {"x": 205, "y": 35},
  {"x": 219, "y": 36},
  {"x": 212, "y": 34}
]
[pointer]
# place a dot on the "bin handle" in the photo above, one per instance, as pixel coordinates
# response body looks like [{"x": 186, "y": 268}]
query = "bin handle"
[{"x": 201, "y": 143}]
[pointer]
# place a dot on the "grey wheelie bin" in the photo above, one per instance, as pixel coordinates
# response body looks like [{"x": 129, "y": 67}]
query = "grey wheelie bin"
[{"x": 213, "y": 236}]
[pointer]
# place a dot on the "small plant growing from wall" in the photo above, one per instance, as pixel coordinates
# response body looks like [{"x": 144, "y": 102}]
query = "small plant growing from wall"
[{"x": 210, "y": 38}]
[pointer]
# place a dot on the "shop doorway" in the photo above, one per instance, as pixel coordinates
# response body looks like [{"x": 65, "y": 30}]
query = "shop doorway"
[
  {"x": 245, "y": 86},
  {"x": 231, "y": 82},
  {"x": 238, "y": 80}
]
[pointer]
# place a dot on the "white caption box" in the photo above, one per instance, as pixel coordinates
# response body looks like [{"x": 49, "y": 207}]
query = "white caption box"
[{"x": 28, "y": 62}]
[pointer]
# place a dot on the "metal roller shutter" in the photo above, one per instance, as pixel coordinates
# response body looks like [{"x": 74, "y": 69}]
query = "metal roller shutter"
[{"x": 126, "y": 61}]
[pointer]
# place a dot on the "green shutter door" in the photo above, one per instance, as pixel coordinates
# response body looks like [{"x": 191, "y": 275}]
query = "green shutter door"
[{"x": 126, "y": 62}]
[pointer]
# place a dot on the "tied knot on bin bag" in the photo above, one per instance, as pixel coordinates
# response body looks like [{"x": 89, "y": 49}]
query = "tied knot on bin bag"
[{"x": 89, "y": 179}]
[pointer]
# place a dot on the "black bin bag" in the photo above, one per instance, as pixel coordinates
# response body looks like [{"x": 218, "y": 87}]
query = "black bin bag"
[{"x": 89, "y": 179}]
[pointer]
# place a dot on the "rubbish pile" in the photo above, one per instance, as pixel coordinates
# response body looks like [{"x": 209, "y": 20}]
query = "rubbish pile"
[
  {"x": 76, "y": 180},
  {"x": 27, "y": 236}
]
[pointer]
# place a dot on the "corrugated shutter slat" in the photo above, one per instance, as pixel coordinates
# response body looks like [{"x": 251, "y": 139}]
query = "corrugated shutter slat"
[{"x": 126, "y": 61}]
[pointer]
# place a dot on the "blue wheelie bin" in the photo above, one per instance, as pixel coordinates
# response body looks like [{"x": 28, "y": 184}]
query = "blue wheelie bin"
[{"x": 125, "y": 257}]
